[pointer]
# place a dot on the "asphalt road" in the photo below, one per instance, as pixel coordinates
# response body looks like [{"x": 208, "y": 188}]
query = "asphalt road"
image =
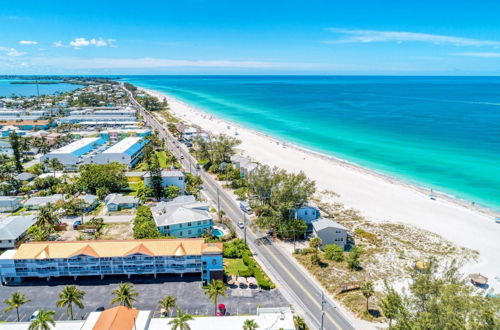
[{"x": 299, "y": 286}]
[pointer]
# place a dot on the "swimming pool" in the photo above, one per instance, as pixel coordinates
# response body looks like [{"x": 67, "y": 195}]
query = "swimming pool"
[{"x": 218, "y": 233}]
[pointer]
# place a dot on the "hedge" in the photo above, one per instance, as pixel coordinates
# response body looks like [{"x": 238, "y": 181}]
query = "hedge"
[{"x": 262, "y": 279}]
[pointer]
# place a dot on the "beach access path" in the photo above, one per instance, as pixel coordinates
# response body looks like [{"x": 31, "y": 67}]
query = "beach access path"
[{"x": 298, "y": 287}]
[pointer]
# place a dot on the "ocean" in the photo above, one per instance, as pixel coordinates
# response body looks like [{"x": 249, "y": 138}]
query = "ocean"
[
  {"x": 7, "y": 89},
  {"x": 438, "y": 132}
]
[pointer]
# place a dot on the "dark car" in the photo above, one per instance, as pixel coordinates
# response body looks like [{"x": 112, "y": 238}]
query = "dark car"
[
  {"x": 76, "y": 224},
  {"x": 221, "y": 310},
  {"x": 100, "y": 309}
]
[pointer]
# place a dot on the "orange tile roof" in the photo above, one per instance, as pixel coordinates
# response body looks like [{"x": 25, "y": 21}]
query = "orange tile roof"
[
  {"x": 153, "y": 247},
  {"x": 23, "y": 122},
  {"x": 116, "y": 318}
]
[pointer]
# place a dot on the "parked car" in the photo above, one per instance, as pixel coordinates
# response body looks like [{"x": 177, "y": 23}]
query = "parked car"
[
  {"x": 54, "y": 237},
  {"x": 245, "y": 207},
  {"x": 100, "y": 309},
  {"x": 221, "y": 310},
  {"x": 76, "y": 224},
  {"x": 34, "y": 316}
]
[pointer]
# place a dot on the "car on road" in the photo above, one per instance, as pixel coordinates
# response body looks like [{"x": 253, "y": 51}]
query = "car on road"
[
  {"x": 76, "y": 224},
  {"x": 221, "y": 310},
  {"x": 182, "y": 156},
  {"x": 34, "y": 316},
  {"x": 241, "y": 224},
  {"x": 245, "y": 207}
]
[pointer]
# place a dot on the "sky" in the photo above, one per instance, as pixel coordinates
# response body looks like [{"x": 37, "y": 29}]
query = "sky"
[{"x": 250, "y": 37}]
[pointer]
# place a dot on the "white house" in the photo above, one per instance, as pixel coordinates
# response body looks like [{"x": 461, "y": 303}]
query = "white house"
[
  {"x": 117, "y": 202},
  {"x": 330, "y": 232},
  {"x": 10, "y": 203},
  {"x": 13, "y": 229},
  {"x": 245, "y": 165},
  {"x": 169, "y": 178}
]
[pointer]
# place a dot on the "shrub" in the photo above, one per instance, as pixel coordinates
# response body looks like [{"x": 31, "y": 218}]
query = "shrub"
[
  {"x": 315, "y": 259},
  {"x": 235, "y": 249},
  {"x": 315, "y": 242},
  {"x": 353, "y": 259},
  {"x": 334, "y": 252},
  {"x": 246, "y": 272}
]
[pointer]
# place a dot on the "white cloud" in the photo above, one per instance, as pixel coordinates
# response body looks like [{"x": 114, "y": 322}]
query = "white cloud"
[
  {"x": 484, "y": 55},
  {"x": 12, "y": 52},
  {"x": 78, "y": 43},
  {"x": 368, "y": 36},
  {"x": 28, "y": 42},
  {"x": 57, "y": 43}
]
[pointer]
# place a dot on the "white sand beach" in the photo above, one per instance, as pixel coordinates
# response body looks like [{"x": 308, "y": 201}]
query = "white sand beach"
[{"x": 378, "y": 197}]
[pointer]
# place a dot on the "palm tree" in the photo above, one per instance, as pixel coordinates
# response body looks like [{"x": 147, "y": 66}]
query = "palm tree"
[
  {"x": 180, "y": 322},
  {"x": 215, "y": 289},
  {"x": 168, "y": 303},
  {"x": 125, "y": 295},
  {"x": 299, "y": 322},
  {"x": 367, "y": 290},
  {"x": 54, "y": 163},
  {"x": 70, "y": 295},
  {"x": 250, "y": 325},
  {"x": 43, "y": 320},
  {"x": 16, "y": 300},
  {"x": 47, "y": 217}
]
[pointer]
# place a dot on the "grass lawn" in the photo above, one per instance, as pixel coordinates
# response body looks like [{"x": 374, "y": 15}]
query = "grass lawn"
[
  {"x": 162, "y": 159},
  {"x": 234, "y": 266},
  {"x": 133, "y": 187}
]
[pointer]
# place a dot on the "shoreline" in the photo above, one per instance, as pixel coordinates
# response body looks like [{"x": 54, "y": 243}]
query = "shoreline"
[{"x": 379, "y": 197}]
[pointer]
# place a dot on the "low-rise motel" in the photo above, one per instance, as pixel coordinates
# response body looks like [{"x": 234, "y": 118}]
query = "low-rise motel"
[{"x": 101, "y": 258}]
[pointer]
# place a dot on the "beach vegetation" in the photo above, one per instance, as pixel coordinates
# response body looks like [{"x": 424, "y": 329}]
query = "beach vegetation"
[
  {"x": 216, "y": 151},
  {"x": 334, "y": 252}
]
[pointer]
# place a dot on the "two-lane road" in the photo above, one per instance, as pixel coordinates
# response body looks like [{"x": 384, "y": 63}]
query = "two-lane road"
[{"x": 296, "y": 284}]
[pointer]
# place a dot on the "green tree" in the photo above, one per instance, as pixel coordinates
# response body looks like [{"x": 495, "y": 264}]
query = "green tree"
[
  {"x": 193, "y": 183},
  {"x": 354, "y": 258},
  {"x": 43, "y": 321},
  {"x": 168, "y": 303},
  {"x": 146, "y": 230},
  {"x": 15, "y": 144},
  {"x": 299, "y": 323},
  {"x": 124, "y": 295},
  {"x": 39, "y": 233},
  {"x": 391, "y": 304},
  {"x": 334, "y": 252},
  {"x": 68, "y": 296},
  {"x": 155, "y": 179},
  {"x": 47, "y": 216},
  {"x": 102, "y": 192},
  {"x": 95, "y": 176},
  {"x": 215, "y": 289},
  {"x": 250, "y": 324},
  {"x": 367, "y": 290},
  {"x": 180, "y": 322},
  {"x": 15, "y": 301},
  {"x": 315, "y": 242},
  {"x": 172, "y": 191},
  {"x": 53, "y": 163}
]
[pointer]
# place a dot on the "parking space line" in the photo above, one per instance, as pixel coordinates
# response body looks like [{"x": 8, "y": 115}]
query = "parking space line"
[
  {"x": 75, "y": 315},
  {"x": 60, "y": 317},
  {"x": 22, "y": 316}
]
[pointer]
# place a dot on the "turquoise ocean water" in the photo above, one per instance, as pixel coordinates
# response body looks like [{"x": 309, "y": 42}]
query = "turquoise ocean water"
[
  {"x": 7, "y": 89},
  {"x": 438, "y": 132}
]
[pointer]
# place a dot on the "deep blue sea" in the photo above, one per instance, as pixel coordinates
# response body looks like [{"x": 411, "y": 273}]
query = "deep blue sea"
[
  {"x": 7, "y": 89},
  {"x": 439, "y": 132}
]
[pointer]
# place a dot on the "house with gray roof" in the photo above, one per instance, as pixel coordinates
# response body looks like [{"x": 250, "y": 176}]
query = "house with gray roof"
[
  {"x": 117, "y": 202},
  {"x": 10, "y": 203},
  {"x": 25, "y": 176},
  {"x": 34, "y": 203},
  {"x": 330, "y": 232},
  {"x": 182, "y": 217},
  {"x": 13, "y": 229},
  {"x": 90, "y": 200}
]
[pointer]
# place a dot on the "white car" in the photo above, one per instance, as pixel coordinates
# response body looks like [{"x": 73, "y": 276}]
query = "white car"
[
  {"x": 34, "y": 316},
  {"x": 241, "y": 224}
]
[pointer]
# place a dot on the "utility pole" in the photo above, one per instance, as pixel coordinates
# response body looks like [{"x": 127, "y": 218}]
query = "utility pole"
[
  {"x": 322, "y": 309},
  {"x": 245, "y": 227},
  {"x": 218, "y": 200}
]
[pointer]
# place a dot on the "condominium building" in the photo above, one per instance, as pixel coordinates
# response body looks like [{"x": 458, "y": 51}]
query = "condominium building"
[
  {"x": 127, "y": 151},
  {"x": 100, "y": 258},
  {"x": 72, "y": 154}
]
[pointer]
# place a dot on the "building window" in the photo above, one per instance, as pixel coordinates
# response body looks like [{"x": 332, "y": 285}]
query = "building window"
[
  {"x": 180, "y": 234},
  {"x": 180, "y": 226},
  {"x": 189, "y": 224},
  {"x": 189, "y": 232},
  {"x": 214, "y": 262},
  {"x": 199, "y": 230}
]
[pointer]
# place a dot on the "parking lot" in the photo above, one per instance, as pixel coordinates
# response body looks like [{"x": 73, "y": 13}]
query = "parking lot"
[{"x": 187, "y": 290}]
